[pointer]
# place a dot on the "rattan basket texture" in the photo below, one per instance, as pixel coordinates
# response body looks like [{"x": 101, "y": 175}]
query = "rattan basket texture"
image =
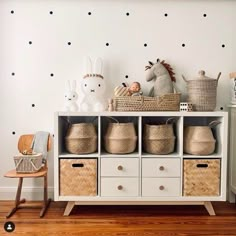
[
  {"x": 28, "y": 163},
  {"x": 198, "y": 140},
  {"x": 120, "y": 138},
  {"x": 159, "y": 139},
  {"x": 201, "y": 177},
  {"x": 81, "y": 138},
  {"x": 167, "y": 102},
  {"x": 78, "y": 177}
]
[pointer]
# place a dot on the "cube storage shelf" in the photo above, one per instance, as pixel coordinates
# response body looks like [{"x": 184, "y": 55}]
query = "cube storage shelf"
[{"x": 140, "y": 177}]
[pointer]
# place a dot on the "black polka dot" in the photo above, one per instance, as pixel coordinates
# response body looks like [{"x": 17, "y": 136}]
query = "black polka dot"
[
  {"x": 51, "y": 12},
  {"x": 204, "y": 15},
  {"x": 127, "y": 13},
  {"x": 69, "y": 43},
  {"x": 53, "y": 135},
  {"x": 13, "y": 74},
  {"x": 223, "y": 45},
  {"x": 166, "y": 15},
  {"x": 51, "y": 74},
  {"x": 126, "y": 76},
  {"x": 30, "y": 42},
  {"x": 183, "y": 45},
  {"x": 221, "y": 108},
  {"x": 13, "y": 132},
  {"x": 107, "y": 44},
  {"x": 145, "y": 45},
  {"x": 33, "y": 105},
  {"x": 89, "y": 13},
  {"x": 12, "y": 12}
]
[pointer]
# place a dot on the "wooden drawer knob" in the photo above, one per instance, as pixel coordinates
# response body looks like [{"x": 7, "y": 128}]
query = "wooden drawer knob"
[
  {"x": 120, "y": 167},
  {"x": 161, "y": 187},
  {"x": 161, "y": 168},
  {"x": 120, "y": 187}
]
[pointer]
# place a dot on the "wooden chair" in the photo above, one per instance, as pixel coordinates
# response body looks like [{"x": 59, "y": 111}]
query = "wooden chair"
[{"x": 24, "y": 143}]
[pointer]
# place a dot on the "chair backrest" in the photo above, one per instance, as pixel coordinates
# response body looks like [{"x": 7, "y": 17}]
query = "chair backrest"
[{"x": 25, "y": 141}]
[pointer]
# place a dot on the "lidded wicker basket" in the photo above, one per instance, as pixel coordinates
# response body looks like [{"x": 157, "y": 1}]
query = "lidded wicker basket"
[
  {"x": 120, "y": 138},
  {"x": 81, "y": 138},
  {"x": 202, "y": 92},
  {"x": 199, "y": 140},
  {"x": 159, "y": 139}
]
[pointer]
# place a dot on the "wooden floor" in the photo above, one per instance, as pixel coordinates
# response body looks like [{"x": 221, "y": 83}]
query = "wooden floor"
[{"x": 122, "y": 220}]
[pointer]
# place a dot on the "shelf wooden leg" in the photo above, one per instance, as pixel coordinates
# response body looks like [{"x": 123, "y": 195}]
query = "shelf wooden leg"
[
  {"x": 209, "y": 208},
  {"x": 69, "y": 208}
]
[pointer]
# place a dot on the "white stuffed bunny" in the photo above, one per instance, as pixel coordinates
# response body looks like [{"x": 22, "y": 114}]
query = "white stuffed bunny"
[
  {"x": 93, "y": 87},
  {"x": 71, "y": 96}
]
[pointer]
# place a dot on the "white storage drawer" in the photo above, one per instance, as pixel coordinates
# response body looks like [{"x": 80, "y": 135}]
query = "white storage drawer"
[
  {"x": 160, "y": 187},
  {"x": 119, "y": 187},
  {"x": 161, "y": 167},
  {"x": 120, "y": 167}
]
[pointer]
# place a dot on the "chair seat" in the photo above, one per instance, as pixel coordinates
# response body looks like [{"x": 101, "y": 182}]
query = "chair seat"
[{"x": 14, "y": 174}]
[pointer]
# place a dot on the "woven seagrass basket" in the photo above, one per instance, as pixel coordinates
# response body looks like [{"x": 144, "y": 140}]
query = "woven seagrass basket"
[
  {"x": 167, "y": 102},
  {"x": 201, "y": 177},
  {"x": 78, "y": 177},
  {"x": 120, "y": 138},
  {"x": 81, "y": 138},
  {"x": 159, "y": 139},
  {"x": 28, "y": 163}
]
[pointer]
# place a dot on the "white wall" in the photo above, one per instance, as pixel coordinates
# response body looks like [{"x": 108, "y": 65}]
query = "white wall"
[{"x": 32, "y": 64}]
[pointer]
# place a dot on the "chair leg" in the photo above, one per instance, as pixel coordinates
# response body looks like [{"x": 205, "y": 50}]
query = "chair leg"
[
  {"x": 46, "y": 201},
  {"x": 17, "y": 199}
]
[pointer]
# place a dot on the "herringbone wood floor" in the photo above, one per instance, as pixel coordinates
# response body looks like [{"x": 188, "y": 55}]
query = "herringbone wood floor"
[{"x": 122, "y": 220}]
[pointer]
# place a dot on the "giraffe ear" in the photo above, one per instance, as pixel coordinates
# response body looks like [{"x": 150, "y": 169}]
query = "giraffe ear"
[
  {"x": 151, "y": 63},
  {"x": 158, "y": 60}
]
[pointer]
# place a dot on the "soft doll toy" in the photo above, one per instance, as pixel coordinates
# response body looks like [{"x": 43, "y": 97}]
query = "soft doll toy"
[
  {"x": 93, "y": 87},
  {"x": 70, "y": 96}
]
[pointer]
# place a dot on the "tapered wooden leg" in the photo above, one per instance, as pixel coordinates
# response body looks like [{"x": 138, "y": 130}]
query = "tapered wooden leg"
[
  {"x": 17, "y": 200},
  {"x": 209, "y": 208},
  {"x": 46, "y": 201},
  {"x": 69, "y": 208}
]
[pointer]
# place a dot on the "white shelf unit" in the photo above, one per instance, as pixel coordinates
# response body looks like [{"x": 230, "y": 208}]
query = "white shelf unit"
[{"x": 140, "y": 178}]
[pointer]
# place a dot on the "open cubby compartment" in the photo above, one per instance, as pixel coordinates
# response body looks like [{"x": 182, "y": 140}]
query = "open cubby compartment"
[
  {"x": 217, "y": 131},
  {"x": 157, "y": 120},
  {"x": 105, "y": 120},
  {"x": 64, "y": 123}
]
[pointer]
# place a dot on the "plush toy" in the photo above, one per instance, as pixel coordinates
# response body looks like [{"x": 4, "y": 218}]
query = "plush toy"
[
  {"x": 93, "y": 87},
  {"x": 135, "y": 89},
  {"x": 71, "y": 96}
]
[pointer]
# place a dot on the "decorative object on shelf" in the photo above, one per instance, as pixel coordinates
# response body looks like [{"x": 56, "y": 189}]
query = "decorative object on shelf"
[
  {"x": 201, "y": 177},
  {"x": 186, "y": 106},
  {"x": 81, "y": 138},
  {"x": 71, "y": 96},
  {"x": 202, "y": 92},
  {"x": 163, "y": 77},
  {"x": 110, "y": 104},
  {"x": 199, "y": 140},
  {"x": 167, "y": 102},
  {"x": 233, "y": 87},
  {"x": 93, "y": 87},
  {"x": 159, "y": 139},
  {"x": 121, "y": 90},
  {"x": 120, "y": 138},
  {"x": 135, "y": 89}
]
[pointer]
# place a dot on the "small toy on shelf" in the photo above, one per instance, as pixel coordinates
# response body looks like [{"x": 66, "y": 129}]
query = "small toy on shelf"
[
  {"x": 135, "y": 89},
  {"x": 93, "y": 87},
  {"x": 110, "y": 104},
  {"x": 163, "y": 75},
  {"x": 233, "y": 87},
  {"x": 186, "y": 106},
  {"x": 71, "y": 96}
]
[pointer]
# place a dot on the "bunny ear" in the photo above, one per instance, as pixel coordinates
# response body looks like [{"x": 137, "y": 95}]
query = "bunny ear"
[
  {"x": 73, "y": 86},
  {"x": 89, "y": 69},
  {"x": 67, "y": 85},
  {"x": 98, "y": 66}
]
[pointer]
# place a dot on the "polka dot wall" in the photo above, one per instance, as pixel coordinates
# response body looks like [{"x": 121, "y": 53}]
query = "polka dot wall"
[{"x": 44, "y": 43}]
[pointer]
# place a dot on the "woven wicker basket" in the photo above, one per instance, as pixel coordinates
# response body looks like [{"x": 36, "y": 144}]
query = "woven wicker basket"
[
  {"x": 81, "y": 138},
  {"x": 120, "y": 138},
  {"x": 202, "y": 92},
  {"x": 167, "y": 102},
  {"x": 159, "y": 139},
  {"x": 78, "y": 177},
  {"x": 201, "y": 177},
  {"x": 28, "y": 163}
]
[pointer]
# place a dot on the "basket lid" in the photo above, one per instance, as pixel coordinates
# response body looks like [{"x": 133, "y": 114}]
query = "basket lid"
[{"x": 202, "y": 76}]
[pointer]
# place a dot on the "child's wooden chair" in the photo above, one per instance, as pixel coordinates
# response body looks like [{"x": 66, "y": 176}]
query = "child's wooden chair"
[{"x": 24, "y": 143}]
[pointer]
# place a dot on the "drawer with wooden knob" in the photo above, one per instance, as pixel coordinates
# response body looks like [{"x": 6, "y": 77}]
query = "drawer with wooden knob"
[
  {"x": 160, "y": 187},
  {"x": 161, "y": 167},
  {"x": 119, "y": 187},
  {"x": 120, "y": 167}
]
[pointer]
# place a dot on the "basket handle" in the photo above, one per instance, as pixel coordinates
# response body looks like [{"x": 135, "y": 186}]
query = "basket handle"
[
  {"x": 112, "y": 118},
  {"x": 34, "y": 165},
  {"x": 184, "y": 78},
  {"x": 170, "y": 119},
  {"x": 218, "y": 76},
  {"x": 18, "y": 163},
  {"x": 214, "y": 123}
]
